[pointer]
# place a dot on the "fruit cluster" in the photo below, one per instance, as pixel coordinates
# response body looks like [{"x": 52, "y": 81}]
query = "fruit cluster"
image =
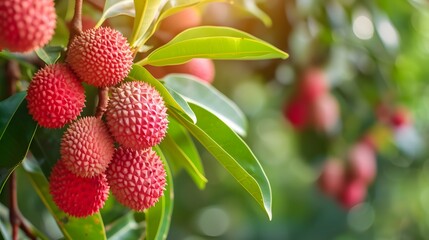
[
  {"x": 136, "y": 115},
  {"x": 347, "y": 182},
  {"x": 313, "y": 105}
]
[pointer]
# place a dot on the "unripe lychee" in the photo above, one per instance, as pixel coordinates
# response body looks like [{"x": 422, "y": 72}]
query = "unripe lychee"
[
  {"x": 77, "y": 196},
  {"x": 313, "y": 84},
  {"x": 55, "y": 96},
  {"x": 87, "y": 147},
  {"x": 180, "y": 21},
  {"x": 353, "y": 193},
  {"x": 201, "y": 68},
  {"x": 26, "y": 25},
  {"x": 101, "y": 57},
  {"x": 325, "y": 113},
  {"x": 297, "y": 112},
  {"x": 332, "y": 177},
  {"x": 136, "y": 177},
  {"x": 136, "y": 115},
  {"x": 362, "y": 161}
]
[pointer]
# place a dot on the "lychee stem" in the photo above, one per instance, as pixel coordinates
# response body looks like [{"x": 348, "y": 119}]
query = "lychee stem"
[
  {"x": 103, "y": 99},
  {"x": 76, "y": 22}
]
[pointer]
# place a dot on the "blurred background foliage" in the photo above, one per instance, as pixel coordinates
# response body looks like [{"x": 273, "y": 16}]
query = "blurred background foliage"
[{"x": 374, "y": 55}]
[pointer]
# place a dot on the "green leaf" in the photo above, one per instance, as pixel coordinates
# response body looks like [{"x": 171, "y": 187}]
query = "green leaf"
[
  {"x": 138, "y": 73},
  {"x": 231, "y": 152},
  {"x": 125, "y": 227},
  {"x": 158, "y": 217},
  {"x": 73, "y": 228},
  {"x": 179, "y": 148},
  {"x": 146, "y": 12},
  {"x": 251, "y": 7},
  {"x": 208, "y": 97},
  {"x": 17, "y": 129},
  {"x": 49, "y": 54},
  {"x": 212, "y": 42},
  {"x": 113, "y": 8}
]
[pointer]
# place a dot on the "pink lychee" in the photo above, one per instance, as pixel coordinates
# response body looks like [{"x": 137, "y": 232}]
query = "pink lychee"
[
  {"x": 87, "y": 147},
  {"x": 26, "y": 25},
  {"x": 100, "y": 57},
  {"x": 332, "y": 177},
  {"x": 77, "y": 196},
  {"x": 136, "y": 115},
  {"x": 362, "y": 161},
  {"x": 353, "y": 193},
  {"x": 297, "y": 112},
  {"x": 313, "y": 84},
  {"x": 55, "y": 96},
  {"x": 136, "y": 177}
]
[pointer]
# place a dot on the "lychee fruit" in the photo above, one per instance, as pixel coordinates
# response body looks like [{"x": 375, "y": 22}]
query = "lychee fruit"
[
  {"x": 180, "y": 21},
  {"x": 55, "y": 96},
  {"x": 77, "y": 196},
  {"x": 100, "y": 57},
  {"x": 297, "y": 112},
  {"x": 313, "y": 84},
  {"x": 353, "y": 193},
  {"x": 332, "y": 177},
  {"x": 202, "y": 68},
  {"x": 400, "y": 117},
  {"x": 136, "y": 115},
  {"x": 26, "y": 25},
  {"x": 87, "y": 147},
  {"x": 362, "y": 161},
  {"x": 325, "y": 113},
  {"x": 136, "y": 177}
]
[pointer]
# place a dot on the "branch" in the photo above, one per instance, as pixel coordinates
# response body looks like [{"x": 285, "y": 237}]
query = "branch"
[
  {"x": 103, "y": 99},
  {"x": 76, "y": 22}
]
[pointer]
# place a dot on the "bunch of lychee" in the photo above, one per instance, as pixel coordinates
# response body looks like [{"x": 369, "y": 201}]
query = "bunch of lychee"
[
  {"x": 313, "y": 105},
  {"x": 135, "y": 119},
  {"x": 347, "y": 182}
]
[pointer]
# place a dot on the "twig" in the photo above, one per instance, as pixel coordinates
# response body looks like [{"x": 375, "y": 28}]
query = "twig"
[
  {"x": 103, "y": 99},
  {"x": 76, "y": 22}
]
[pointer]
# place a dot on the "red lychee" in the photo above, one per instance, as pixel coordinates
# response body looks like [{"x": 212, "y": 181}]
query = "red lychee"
[
  {"x": 325, "y": 113},
  {"x": 77, "y": 196},
  {"x": 313, "y": 84},
  {"x": 136, "y": 177},
  {"x": 400, "y": 117},
  {"x": 87, "y": 147},
  {"x": 26, "y": 25},
  {"x": 136, "y": 115},
  {"x": 297, "y": 112},
  {"x": 332, "y": 177},
  {"x": 201, "y": 68},
  {"x": 353, "y": 193},
  {"x": 55, "y": 96},
  {"x": 101, "y": 57},
  {"x": 180, "y": 21},
  {"x": 362, "y": 161}
]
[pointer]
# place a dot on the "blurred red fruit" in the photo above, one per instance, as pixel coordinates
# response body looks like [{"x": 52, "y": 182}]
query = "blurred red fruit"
[
  {"x": 400, "y": 117},
  {"x": 180, "y": 21},
  {"x": 313, "y": 84},
  {"x": 202, "y": 68},
  {"x": 353, "y": 193},
  {"x": 331, "y": 180},
  {"x": 297, "y": 112},
  {"x": 325, "y": 113},
  {"x": 362, "y": 163}
]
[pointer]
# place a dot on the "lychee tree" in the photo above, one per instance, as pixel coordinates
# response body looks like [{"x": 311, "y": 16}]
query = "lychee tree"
[{"x": 94, "y": 118}]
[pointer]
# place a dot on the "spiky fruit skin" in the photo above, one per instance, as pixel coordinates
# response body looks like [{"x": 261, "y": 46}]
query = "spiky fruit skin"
[
  {"x": 332, "y": 177},
  {"x": 297, "y": 112},
  {"x": 100, "y": 57},
  {"x": 201, "y": 68},
  {"x": 136, "y": 177},
  {"x": 55, "y": 96},
  {"x": 362, "y": 163},
  {"x": 181, "y": 21},
  {"x": 77, "y": 196},
  {"x": 325, "y": 113},
  {"x": 313, "y": 85},
  {"x": 87, "y": 147},
  {"x": 353, "y": 193},
  {"x": 26, "y": 25},
  {"x": 136, "y": 115}
]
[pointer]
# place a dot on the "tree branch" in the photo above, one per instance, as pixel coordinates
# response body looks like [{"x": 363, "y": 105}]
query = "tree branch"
[
  {"x": 103, "y": 99},
  {"x": 76, "y": 22}
]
